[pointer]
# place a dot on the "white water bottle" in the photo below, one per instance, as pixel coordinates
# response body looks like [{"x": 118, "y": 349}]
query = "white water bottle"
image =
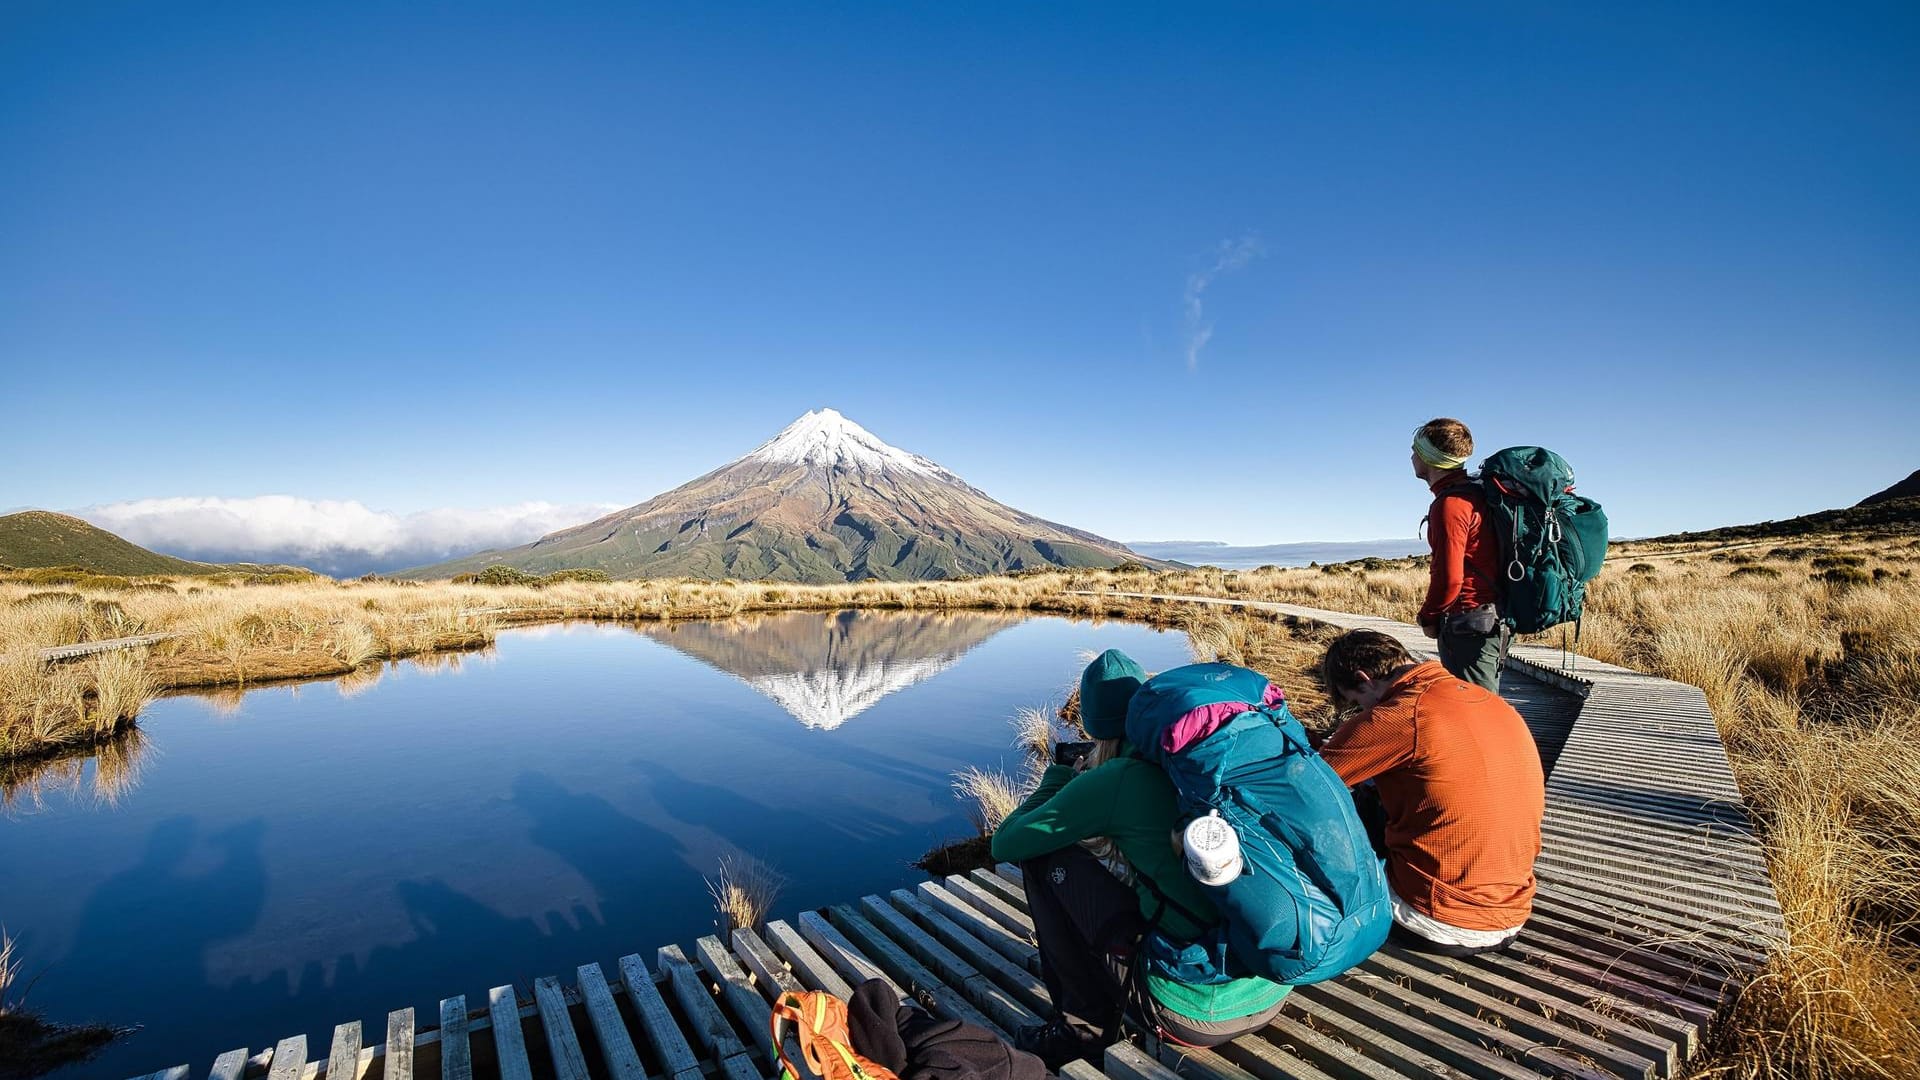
[{"x": 1213, "y": 850}]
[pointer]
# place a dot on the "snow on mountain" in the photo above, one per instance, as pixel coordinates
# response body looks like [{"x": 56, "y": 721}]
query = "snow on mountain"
[{"x": 826, "y": 440}]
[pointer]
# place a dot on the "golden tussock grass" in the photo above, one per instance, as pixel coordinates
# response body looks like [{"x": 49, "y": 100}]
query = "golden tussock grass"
[{"x": 743, "y": 890}]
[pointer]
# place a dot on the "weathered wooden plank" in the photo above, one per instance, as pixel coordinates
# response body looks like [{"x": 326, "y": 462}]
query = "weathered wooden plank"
[
  {"x": 749, "y": 1009},
  {"x": 1603, "y": 977},
  {"x": 289, "y": 1058},
  {"x": 1374, "y": 1044},
  {"x": 509, "y": 1036},
  {"x": 1672, "y": 964},
  {"x": 1024, "y": 986},
  {"x": 1272, "y": 1054},
  {"x": 231, "y": 1065},
  {"x": 1125, "y": 1061},
  {"x": 456, "y": 1057},
  {"x": 62, "y": 653},
  {"x": 1262, "y": 1060},
  {"x": 739, "y": 1067},
  {"x": 343, "y": 1059},
  {"x": 942, "y": 962},
  {"x": 1013, "y": 919},
  {"x": 770, "y": 972},
  {"x": 616, "y": 1046},
  {"x": 173, "y": 1072},
  {"x": 1428, "y": 1004},
  {"x": 1081, "y": 1070},
  {"x": 1560, "y": 1031},
  {"x": 1006, "y": 1010},
  {"x": 810, "y": 967},
  {"x": 1013, "y": 946},
  {"x": 662, "y": 1031},
  {"x": 1014, "y": 896},
  {"x": 1194, "y": 1063},
  {"x": 569, "y": 1063},
  {"x": 852, "y": 965},
  {"x": 904, "y": 970},
  {"x": 706, "y": 1023},
  {"x": 399, "y": 1054},
  {"x": 1660, "y": 1051}
]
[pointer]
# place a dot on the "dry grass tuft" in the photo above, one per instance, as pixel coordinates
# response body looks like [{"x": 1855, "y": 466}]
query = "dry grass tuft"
[
  {"x": 989, "y": 795},
  {"x": 743, "y": 890}
]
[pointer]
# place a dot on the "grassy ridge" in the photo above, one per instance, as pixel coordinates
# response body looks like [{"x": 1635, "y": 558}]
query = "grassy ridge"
[{"x": 40, "y": 539}]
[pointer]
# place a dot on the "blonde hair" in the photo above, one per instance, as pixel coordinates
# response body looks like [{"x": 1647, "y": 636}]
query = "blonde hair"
[{"x": 1103, "y": 847}]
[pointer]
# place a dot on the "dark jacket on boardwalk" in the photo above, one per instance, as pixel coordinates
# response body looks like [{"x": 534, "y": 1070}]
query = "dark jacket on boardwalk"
[{"x": 917, "y": 1046}]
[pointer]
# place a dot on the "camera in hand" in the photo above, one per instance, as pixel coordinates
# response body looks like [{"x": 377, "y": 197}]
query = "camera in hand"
[{"x": 1071, "y": 753}]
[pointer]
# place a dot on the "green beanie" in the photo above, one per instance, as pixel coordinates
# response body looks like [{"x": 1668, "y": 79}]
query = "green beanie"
[{"x": 1105, "y": 688}]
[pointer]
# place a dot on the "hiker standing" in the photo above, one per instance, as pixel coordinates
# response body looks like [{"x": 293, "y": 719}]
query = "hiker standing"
[
  {"x": 1459, "y": 780},
  {"x": 1460, "y": 610},
  {"x": 1093, "y": 844}
]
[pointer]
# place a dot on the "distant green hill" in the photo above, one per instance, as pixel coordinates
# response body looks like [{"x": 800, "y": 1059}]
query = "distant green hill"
[
  {"x": 39, "y": 538},
  {"x": 1893, "y": 517}
]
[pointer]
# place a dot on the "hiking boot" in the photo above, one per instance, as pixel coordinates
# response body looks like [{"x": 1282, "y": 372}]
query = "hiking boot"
[{"x": 1055, "y": 1043}]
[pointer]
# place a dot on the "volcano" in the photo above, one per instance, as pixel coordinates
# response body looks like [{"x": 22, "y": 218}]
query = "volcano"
[{"x": 825, "y": 500}]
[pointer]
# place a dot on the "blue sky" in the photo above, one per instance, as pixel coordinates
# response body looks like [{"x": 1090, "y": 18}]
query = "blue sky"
[{"x": 1158, "y": 271}]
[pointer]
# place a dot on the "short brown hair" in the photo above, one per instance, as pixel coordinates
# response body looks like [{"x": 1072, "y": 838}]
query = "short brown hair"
[
  {"x": 1358, "y": 651},
  {"x": 1449, "y": 436}
]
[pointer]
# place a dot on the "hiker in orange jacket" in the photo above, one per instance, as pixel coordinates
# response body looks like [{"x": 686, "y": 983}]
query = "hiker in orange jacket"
[
  {"x": 1459, "y": 778},
  {"x": 1460, "y": 610}
]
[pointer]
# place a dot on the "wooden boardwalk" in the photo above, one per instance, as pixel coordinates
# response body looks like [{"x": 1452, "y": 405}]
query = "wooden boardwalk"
[{"x": 1654, "y": 905}]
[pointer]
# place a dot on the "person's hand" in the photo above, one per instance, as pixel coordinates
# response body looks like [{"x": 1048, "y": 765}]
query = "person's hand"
[{"x": 1432, "y": 630}]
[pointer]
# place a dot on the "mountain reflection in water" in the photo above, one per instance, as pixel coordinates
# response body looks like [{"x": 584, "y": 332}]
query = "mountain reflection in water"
[
  {"x": 259, "y": 863},
  {"x": 827, "y": 667}
]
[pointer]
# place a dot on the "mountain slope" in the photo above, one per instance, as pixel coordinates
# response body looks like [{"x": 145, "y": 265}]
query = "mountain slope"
[
  {"x": 822, "y": 501},
  {"x": 36, "y": 538},
  {"x": 1905, "y": 489},
  {"x": 1894, "y": 517}
]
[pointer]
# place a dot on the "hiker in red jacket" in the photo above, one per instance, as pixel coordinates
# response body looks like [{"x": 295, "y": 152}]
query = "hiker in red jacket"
[{"x": 1460, "y": 611}]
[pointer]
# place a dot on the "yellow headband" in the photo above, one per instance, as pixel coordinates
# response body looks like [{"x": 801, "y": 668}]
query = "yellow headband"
[{"x": 1431, "y": 454}]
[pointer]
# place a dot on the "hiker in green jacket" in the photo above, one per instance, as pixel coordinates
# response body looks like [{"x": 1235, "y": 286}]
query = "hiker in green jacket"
[{"x": 1097, "y": 844}]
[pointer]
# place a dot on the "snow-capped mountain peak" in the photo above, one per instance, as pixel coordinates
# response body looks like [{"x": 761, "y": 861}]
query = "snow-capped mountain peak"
[{"x": 825, "y": 439}]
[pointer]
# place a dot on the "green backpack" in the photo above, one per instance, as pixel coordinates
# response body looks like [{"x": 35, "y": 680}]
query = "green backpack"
[{"x": 1551, "y": 541}]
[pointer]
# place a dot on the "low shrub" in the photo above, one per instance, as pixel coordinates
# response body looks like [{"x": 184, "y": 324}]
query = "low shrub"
[
  {"x": 580, "y": 574},
  {"x": 502, "y": 574}
]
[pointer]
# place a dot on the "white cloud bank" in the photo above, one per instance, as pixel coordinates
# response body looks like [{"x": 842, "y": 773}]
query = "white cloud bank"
[{"x": 339, "y": 538}]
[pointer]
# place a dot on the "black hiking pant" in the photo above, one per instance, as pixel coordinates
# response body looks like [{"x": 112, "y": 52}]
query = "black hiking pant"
[{"x": 1089, "y": 925}]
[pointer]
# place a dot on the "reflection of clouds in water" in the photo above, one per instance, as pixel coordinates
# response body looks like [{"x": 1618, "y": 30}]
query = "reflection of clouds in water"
[{"x": 826, "y": 668}]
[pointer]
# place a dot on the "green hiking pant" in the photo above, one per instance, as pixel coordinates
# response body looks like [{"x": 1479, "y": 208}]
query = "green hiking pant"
[{"x": 1474, "y": 658}]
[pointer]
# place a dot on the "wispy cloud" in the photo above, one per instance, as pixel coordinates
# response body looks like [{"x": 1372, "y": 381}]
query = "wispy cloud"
[
  {"x": 1228, "y": 256},
  {"x": 340, "y": 538}
]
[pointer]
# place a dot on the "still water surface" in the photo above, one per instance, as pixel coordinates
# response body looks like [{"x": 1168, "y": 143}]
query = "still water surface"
[{"x": 303, "y": 855}]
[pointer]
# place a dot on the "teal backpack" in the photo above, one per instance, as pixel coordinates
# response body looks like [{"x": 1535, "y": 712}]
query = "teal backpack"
[
  {"x": 1551, "y": 541},
  {"x": 1311, "y": 901}
]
